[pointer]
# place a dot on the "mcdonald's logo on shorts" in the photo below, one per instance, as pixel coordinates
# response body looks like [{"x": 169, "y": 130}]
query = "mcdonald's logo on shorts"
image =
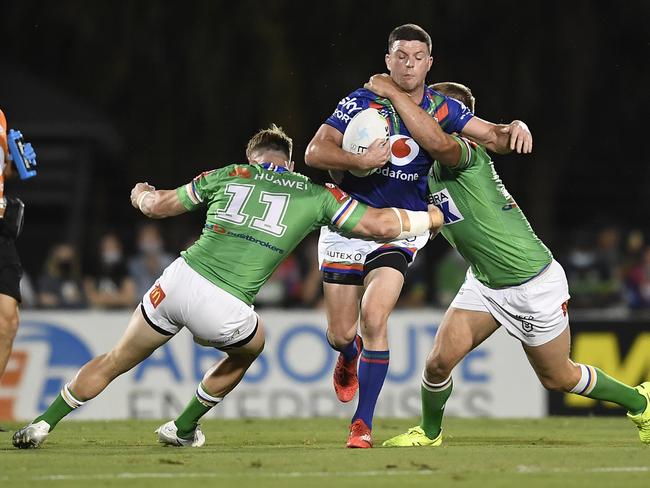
[{"x": 156, "y": 295}]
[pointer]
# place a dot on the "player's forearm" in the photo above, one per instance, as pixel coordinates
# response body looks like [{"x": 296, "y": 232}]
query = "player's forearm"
[
  {"x": 487, "y": 134},
  {"x": 393, "y": 223},
  {"x": 325, "y": 154},
  {"x": 382, "y": 224},
  {"x": 426, "y": 131},
  {"x": 159, "y": 204},
  {"x": 497, "y": 141}
]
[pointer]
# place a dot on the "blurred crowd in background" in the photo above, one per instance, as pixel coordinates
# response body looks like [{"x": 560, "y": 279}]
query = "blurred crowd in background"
[
  {"x": 108, "y": 98},
  {"x": 607, "y": 268}
]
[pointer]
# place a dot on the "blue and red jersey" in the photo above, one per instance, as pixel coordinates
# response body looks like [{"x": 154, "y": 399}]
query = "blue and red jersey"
[{"x": 402, "y": 182}]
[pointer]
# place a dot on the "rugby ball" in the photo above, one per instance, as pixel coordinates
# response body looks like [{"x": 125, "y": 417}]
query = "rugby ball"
[{"x": 364, "y": 128}]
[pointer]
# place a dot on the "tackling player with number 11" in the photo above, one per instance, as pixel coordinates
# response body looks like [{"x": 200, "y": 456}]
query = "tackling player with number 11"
[{"x": 257, "y": 214}]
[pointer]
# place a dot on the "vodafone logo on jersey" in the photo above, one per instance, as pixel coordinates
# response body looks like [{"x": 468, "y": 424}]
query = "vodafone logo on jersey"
[{"x": 403, "y": 150}]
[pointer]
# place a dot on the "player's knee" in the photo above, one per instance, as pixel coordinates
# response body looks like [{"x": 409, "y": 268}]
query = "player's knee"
[
  {"x": 562, "y": 378},
  {"x": 341, "y": 338},
  {"x": 254, "y": 354},
  {"x": 8, "y": 326},
  {"x": 556, "y": 382},
  {"x": 374, "y": 322},
  {"x": 437, "y": 368},
  {"x": 374, "y": 316},
  {"x": 260, "y": 349}
]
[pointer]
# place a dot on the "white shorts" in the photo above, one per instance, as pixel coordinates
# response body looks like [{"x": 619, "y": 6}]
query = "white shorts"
[
  {"x": 534, "y": 312},
  {"x": 181, "y": 297},
  {"x": 347, "y": 255}
]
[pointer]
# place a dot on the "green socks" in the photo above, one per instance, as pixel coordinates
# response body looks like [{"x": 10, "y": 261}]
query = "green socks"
[
  {"x": 197, "y": 407},
  {"x": 434, "y": 398},
  {"x": 60, "y": 407},
  {"x": 600, "y": 386}
]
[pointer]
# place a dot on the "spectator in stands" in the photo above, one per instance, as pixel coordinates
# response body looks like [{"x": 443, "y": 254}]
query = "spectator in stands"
[
  {"x": 150, "y": 261},
  {"x": 632, "y": 265},
  {"x": 60, "y": 284},
  {"x": 311, "y": 295},
  {"x": 284, "y": 288},
  {"x": 28, "y": 292},
  {"x": 595, "y": 272},
  {"x": 609, "y": 267},
  {"x": 109, "y": 285}
]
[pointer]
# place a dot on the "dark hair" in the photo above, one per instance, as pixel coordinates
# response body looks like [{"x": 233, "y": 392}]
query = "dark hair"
[
  {"x": 273, "y": 138},
  {"x": 457, "y": 91},
  {"x": 409, "y": 32}
]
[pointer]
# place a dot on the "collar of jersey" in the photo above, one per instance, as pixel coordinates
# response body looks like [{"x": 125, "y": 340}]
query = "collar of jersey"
[{"x": 273, "y": 167}]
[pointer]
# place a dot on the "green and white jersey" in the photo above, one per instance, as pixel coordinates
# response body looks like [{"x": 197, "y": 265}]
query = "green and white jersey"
[
  {"x": 484, "y": 222},
  {"x": 255, "y": 218}
]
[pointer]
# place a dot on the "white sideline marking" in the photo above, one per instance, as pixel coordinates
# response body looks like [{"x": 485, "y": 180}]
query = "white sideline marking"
[
  {"x": 290, "y": 474},
  {"x": 521, "y": 469},
  {"x": 621, "y": 469}
]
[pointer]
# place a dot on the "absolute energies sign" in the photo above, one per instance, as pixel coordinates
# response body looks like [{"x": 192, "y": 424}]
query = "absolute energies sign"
[{"x": 292, "y": 378}]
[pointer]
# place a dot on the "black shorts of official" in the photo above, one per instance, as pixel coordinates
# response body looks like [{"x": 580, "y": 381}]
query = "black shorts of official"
[
  {"x": 10, "y": 269},
  {"x": 381, "y": 258}
]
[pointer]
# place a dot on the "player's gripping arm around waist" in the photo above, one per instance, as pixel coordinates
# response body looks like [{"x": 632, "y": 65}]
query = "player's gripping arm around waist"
[
  {"x": 345, "y": 213},
  {"x": 396, "y": 223}
]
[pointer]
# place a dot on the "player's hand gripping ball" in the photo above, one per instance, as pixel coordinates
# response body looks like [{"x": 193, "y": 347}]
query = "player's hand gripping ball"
[{"x": 364, "y": 128}]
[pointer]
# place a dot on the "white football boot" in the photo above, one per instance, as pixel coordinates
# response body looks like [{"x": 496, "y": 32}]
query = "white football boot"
[
  {"x": 32, "y": 435},
  {"x": 168, "y": 435}
]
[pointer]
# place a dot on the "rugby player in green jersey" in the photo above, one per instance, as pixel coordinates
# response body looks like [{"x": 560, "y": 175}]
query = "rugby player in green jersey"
[
  {"x": 513, "y": 280},
  {"x": 256, "y": 215}
]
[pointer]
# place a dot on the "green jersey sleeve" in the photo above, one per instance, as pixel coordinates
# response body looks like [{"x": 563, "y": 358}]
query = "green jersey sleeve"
[
  {"x": 193, "y": 194},
  {"x": 339, "y": 209},
  {"x": 467, "y": 153}
]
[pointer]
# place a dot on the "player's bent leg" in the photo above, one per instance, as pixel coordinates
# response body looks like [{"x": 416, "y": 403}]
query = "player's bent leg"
[
  {"x": 217, "y": 382},
  {"x": 557, "y": 372},
  {"x": 342, "y": 307},
  {"x": 459, "y": 333},
  {"x": 8, "y": 328},
  {"x": 383, "y": 286},
  {"x": 224, "y": 376},
  {"x": 137, "y": 343},
  {"x": 342, "y": 310}
]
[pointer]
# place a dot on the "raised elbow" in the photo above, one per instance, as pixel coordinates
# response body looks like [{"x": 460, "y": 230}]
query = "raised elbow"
[{"x": 311, "y": 155}]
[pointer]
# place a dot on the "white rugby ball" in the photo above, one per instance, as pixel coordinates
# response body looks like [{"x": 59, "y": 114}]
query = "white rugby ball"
[{"x": 364, "y": 128}]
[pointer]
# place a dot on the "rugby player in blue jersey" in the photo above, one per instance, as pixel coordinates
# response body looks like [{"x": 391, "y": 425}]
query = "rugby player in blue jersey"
[{"x": 365, "y": 277}]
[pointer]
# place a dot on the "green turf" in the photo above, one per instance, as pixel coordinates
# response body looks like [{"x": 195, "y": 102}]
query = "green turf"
[{"x": 569, "y": 452}]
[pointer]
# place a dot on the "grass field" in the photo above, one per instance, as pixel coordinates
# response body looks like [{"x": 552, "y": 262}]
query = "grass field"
[{"x": 572, "y": 452}]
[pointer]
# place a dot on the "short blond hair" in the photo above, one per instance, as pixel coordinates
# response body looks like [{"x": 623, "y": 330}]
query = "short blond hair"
[
  {"x": 456, "y": 90},
  {"x": 273, "y": 138}
]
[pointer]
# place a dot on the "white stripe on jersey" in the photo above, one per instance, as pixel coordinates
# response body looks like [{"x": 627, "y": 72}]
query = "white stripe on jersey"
[
  {"x": 192, "y": 194},
  {"x": 344, "y": 212}
]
